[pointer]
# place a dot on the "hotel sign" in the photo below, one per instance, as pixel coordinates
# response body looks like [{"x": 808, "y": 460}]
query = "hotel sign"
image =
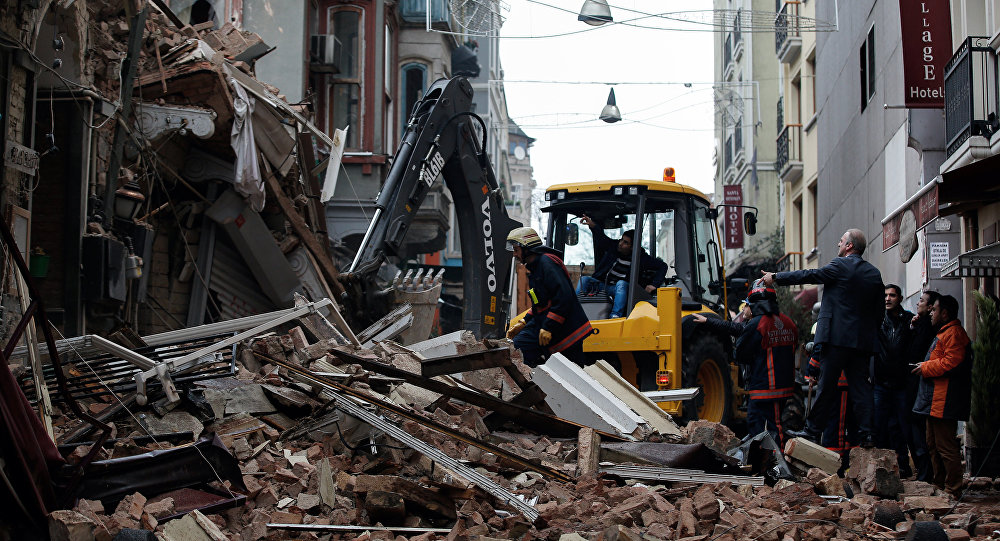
[
  {"x": 926, "y": 29},
  {"x": 733, "y": 195}
]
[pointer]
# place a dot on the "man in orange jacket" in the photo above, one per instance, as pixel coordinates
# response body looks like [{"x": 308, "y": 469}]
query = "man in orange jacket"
[{"x": 944, "y": 394}]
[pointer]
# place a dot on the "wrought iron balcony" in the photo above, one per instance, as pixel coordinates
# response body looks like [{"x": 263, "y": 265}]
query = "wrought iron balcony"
[
  {"x": 789, "y": 161},
  {"x": 787, "y": 36},
  {"x": 415, "y": 11},
  {"x": 971, "y": 93}
]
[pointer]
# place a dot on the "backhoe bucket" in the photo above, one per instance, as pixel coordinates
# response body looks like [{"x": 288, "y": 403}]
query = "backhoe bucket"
[{"x": 421, "y": 289}]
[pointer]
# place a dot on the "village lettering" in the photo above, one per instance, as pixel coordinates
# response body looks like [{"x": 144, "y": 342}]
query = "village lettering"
[{"x": 926, "y": 29}]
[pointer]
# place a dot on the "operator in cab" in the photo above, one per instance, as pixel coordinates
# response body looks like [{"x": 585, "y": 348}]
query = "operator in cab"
[
  {"x": 556, "y": 322},
  {"x": 614, "y": 266}
]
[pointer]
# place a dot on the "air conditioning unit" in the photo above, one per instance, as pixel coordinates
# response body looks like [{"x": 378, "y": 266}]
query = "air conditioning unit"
[{"x": 324, "y": 49}]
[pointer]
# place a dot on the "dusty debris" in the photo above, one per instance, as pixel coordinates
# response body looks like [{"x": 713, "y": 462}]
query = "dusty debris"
[{"x": 329, "y": 475}]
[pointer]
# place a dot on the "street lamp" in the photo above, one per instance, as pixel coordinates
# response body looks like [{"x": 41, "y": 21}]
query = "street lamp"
[
  {"x": 595, "y": 12},
  {"x": 610, "y": 113},
  {"x": 128, "y": 198}
]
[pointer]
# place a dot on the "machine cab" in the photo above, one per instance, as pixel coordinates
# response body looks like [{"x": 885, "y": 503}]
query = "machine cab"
[{"x": 674, "y": 242}]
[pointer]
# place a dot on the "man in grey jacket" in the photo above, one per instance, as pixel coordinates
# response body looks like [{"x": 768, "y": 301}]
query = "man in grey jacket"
[{"x": 848, "y": 329}]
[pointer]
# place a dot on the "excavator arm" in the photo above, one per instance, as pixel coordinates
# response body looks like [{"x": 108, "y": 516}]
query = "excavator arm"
[{"x": 440, "y": 140}]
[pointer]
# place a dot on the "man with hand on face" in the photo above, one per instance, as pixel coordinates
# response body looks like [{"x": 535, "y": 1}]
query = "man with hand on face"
[
  {"x": 847, "y": 329},
  {"x": 922, "y": 333},
  {"x": 945, "y": 392},
  {"x": 614, "y": 266},
  {"x": 556, "y": 322}
]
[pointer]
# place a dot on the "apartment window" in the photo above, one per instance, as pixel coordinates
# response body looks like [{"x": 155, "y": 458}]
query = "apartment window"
[
  {"x": 811, "y": 76},
  {"x": 798, "y": 225},
  {"x": 345, "y": 90},
  {"x": 867, "y": 58},
  {"x": 414, "y": 81},
  {"x": 796, "y": 101},
  {"x": 813, "y": 206}
]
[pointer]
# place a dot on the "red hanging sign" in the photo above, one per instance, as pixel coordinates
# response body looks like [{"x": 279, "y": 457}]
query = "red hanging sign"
[
  {"x": 733, "y": 195},
  {"x": 926, "y": 29}
]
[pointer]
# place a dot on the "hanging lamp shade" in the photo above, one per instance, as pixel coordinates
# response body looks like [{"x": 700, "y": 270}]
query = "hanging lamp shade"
[
  {"x": 595, "y": 12},
  {"x": 610, "y": 113}
]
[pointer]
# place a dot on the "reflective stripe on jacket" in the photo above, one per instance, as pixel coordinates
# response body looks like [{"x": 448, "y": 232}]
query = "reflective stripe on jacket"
[{"x": 554, "y": 305}]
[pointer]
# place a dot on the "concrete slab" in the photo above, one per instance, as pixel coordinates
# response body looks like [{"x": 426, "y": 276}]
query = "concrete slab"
[
  {"x": 576, "y": 396},
  {"x": 657, "y": 419},
  {"x": 441, "y": 346}
]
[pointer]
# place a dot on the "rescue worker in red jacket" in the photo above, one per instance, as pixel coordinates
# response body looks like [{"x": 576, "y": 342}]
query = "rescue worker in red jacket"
[
  {"x": 556, "y": 322},
  {"x": 767, "y": 345},
  {"x": 945, "y": 392}
]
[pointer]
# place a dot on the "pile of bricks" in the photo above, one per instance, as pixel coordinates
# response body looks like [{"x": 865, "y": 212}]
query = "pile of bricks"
[{"x": 299, "y": 471}]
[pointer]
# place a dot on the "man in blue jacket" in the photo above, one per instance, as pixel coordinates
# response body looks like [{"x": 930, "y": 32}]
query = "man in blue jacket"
[
  {"x": 556, "y": 322},
  {"x": 847, "y": 328},
  {"x": 614, "y": 266}
]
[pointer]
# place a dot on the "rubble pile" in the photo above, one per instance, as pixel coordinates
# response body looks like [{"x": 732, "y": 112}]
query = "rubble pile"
[{"x": 307, "y": 470}]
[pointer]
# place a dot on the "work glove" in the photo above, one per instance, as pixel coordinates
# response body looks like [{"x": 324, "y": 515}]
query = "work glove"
[
  {"x": 544, "y": 337},
  {"x": 516, "y": 328}
]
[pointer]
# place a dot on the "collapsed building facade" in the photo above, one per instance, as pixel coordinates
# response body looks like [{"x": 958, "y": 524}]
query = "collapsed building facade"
[{"x": 169, "y": 251}]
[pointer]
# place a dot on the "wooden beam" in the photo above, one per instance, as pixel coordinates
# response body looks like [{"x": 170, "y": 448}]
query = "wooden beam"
[{"x": 326, "y": 266}]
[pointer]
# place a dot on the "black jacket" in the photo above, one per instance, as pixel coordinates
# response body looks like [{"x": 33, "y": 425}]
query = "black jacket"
[
  {"x": 891, "y": 368},
  {"x": 921, "y": 336},
  {"x": 607, "y": 254},
  {"x": 853, "y": 301},
  {"x": 554, "y": 306}
]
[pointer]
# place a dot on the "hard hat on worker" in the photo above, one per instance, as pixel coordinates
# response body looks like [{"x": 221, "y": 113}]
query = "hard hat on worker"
[
  {"x": 760, "y": 292},
  {"x": 525, "y": 237}
]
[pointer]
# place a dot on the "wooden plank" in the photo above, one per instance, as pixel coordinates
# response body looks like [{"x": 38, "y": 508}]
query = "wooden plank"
[
  {"x": 330, "y": 272},
  {"x": 465, "y": 362},
  {"x": 413, "y": 493}
]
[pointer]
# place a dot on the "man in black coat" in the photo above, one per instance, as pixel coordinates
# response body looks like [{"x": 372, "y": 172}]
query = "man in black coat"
[
  {"x": 893, "y": 428},
  {"x": 848, "y": 330}
]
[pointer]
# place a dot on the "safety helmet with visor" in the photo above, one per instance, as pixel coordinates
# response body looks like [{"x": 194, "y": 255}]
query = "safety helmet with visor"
[{"x": 525, "y": 237}]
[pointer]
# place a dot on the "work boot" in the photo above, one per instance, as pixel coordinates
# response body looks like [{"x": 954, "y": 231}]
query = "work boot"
[{"x": 867, "y": 441}]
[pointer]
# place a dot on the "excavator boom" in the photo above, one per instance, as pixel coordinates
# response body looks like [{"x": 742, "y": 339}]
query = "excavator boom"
[{"x": 440, "y": 140}]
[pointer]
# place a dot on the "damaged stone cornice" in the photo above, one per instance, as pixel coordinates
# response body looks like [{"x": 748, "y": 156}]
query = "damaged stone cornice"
[{"x": 153, "y": 121}]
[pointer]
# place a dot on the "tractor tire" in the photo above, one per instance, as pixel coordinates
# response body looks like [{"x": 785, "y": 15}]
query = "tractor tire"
[{"x": 706, "y": 366}]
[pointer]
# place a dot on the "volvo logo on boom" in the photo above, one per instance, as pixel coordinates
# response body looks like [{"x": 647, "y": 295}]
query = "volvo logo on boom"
[{"x": 491, "y": 269}]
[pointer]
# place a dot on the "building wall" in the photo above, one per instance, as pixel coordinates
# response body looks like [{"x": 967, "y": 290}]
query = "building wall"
[
  {"x": 283, "y": 25},
  {"x": 868, "y": 159},
  {"x": 799, "y": 99},
  {"x": 753, "y": 80}
]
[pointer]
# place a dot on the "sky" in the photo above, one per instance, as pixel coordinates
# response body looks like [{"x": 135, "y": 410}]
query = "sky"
[{"x": 556, "y": 75}]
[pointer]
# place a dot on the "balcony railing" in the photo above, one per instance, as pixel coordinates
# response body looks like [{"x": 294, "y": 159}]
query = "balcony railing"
[
  {"x": 787, "y": 36},
  {"x": 970, "y": 93},
  {"x": 789, "y": 161},
  {"x": 415, "y": 11}
]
